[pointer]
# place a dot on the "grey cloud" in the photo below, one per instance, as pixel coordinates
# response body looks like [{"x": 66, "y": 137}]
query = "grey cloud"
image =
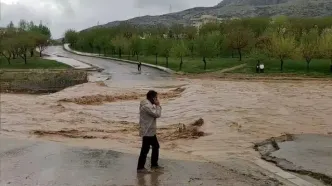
[
  {"x": 66, "y": 6},
  {"x": 17, "y": 12},
  {"x": 177, "y": 4},
  {"x": 81, "y": 14}
]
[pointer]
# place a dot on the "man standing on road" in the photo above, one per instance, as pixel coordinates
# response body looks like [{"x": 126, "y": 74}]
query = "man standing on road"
[
  {"x": 150, "y": 110},
  {"x": 139, "y": 66}
]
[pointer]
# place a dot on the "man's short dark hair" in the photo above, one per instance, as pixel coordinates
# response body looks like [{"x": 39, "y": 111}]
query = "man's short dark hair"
[{"x": 151, "y": 95}]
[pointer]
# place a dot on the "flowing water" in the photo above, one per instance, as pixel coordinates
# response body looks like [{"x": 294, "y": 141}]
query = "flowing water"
[{"x": 236, "y": 114}]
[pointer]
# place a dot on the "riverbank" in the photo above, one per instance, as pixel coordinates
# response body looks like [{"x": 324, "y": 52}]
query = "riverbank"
[
  {"x": 32, "y": 63},
  {"x": 40, "y": 80}
]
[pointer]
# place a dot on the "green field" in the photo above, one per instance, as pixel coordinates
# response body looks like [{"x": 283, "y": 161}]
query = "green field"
[
  {"x": 190, "y": 65},
  {"x": 318, "y": 67},
  {"x": 32, "y": 63}
]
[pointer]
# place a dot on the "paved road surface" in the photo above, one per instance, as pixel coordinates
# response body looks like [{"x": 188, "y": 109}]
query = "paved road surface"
[
  {"x": 120, "y": 71},
  {"x": 33, "y": 163},
  {"x": 308, "y": 152}
]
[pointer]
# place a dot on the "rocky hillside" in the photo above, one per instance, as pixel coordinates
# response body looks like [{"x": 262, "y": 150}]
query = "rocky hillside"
[{"x": 240, "y": 8}]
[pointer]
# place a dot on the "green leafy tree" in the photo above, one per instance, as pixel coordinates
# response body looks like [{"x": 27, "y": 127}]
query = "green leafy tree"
[
  {"x": 24, "y": 44},
  {"x": 261, "y": 49},
  {"x": 258, "y": 55},
  {"x": 151, "y": 47},
  {"x": 5, "y": 48},
  {"x": 99, "y": 43},
  {"x": 119, "y": 44},
  {"x": 80, "y": 44},
  {"x": 71, "y": 37},
  {"x": 158, "y": 30},
  {"x": 175, "y": 31},
  {"x": 209, "y": 28},
  {"x": 179, "y": 50},
  {"x": 258, "y": 25},
  {"x": 110, "y": 45},
  {"x": 42, "y": 29},
  {"x": 190, "y": 32},
  {"x": 280, "y": 24},
  {"x": 23, "y": 25},
  {"x": 126, "y": 46},
  {"x": 326, "y": 45},
  {"x": 11, "y": 25},
  {"x": 191, "y": 46},
  {"x": 309, "y": 45},
  {"x": 282, "y": 47},
  {"x": 239, "y": 38},
  {"x": 207, "y": 47},
  {"x": 41, "y": 42},
  {"x": 165, "y": 48},
  {"x": 136, "y": 45}
]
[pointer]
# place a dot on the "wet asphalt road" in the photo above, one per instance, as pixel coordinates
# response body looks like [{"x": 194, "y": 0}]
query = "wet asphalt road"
[
  {"x": 308, "y": 152},
  {"x": 32, "y": 163},
  {"x": 118, "y": 71}
]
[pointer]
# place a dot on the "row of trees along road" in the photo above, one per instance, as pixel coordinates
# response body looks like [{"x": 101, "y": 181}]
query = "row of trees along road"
[
  {"x": 21, "y": 40},
  {"x": 261, "y": 39}
]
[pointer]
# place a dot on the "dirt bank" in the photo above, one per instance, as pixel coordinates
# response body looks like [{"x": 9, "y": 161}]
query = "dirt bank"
[
  {"x": 99, "y": 99},
  {"x": 126, "y": 131},
  {"x": 40, "y": 81},
  {"x": 255, "y": 77}
]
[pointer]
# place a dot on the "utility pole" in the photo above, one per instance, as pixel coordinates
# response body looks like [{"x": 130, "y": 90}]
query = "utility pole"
[{"x": 170, "y": 8}]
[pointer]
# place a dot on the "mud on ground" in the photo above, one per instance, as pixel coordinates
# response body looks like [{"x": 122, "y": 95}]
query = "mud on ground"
[
  {"x": 129, "y": 130},
  {"x": 99, "y": 99}
]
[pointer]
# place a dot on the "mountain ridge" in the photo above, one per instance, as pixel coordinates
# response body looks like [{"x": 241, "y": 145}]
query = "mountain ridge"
[{"x": 238, "y": 9}]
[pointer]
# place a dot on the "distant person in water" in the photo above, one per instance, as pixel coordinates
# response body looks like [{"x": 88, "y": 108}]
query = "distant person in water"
[
  {"x": 150, "y": 110},
  {"x": 139, "y": 66}
]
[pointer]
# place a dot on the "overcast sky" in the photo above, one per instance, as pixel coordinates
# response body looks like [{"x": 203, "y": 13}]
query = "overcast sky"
[{"x": 61, "y": 15}]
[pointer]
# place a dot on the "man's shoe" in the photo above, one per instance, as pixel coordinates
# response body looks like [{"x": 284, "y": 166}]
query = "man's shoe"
[
  {"x": 157, "y": 168},
  {"x": 143, "y": 171}
]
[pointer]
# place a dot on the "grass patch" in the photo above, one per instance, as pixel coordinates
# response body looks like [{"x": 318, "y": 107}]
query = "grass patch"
[
  {"x": 33, "y": 63},
  {"x": 318, "y": 67},
  {"x": 190, "y": 65}
]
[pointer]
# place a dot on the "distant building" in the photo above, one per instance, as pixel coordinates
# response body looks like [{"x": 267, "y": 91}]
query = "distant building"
[{"x": 204, "y": 19}]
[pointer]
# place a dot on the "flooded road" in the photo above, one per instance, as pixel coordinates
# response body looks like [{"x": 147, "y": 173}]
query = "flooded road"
[
  {"x": 119, "y": 72},
  {"x": 236, "y": 114}
]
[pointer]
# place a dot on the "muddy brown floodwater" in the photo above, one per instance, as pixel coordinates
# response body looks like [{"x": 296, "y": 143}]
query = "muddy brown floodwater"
[{"x": 236, "y": 115}]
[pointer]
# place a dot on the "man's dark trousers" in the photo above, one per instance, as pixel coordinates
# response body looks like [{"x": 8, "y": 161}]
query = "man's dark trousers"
[{"x": 147, "y": 142}]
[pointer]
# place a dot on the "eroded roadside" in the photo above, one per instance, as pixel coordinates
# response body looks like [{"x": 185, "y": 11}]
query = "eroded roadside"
[{"x": 306, "y": 154}]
